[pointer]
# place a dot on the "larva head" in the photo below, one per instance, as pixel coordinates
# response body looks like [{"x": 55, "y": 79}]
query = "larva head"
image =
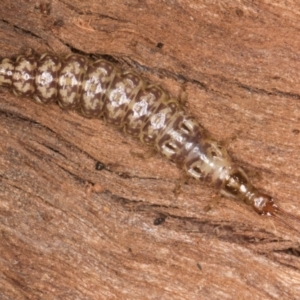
[
  {"x": 238, "y": 186},
  {"x": 264, "y": 204}
]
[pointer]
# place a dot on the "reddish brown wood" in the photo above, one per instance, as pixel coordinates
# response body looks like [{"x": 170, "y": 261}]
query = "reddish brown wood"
[{"x": 239, "y": 65}]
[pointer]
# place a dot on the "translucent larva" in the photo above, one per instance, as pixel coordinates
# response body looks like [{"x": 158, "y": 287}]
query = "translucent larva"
[{"x": 143, "y": 110}]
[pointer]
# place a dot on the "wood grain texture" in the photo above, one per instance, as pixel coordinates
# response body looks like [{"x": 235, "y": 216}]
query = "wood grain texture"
[{"x": 239, "y": 63}]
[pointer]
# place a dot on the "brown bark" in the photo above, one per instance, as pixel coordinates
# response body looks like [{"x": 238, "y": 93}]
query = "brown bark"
[{"x": 239, "y": 64}]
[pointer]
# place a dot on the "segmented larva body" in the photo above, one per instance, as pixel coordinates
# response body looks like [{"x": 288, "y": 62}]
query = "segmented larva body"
[{"x": 143, "y": 110}]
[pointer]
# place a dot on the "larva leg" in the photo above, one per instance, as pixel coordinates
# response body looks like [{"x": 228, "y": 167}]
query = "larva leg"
[
  {"x": 183, "y": 96},
  {"x": 145, "y": 155},
  {"x": 184, "y": 179},
  {"x": 213, "y": 203},
  {"x": 227, "y": 141}
]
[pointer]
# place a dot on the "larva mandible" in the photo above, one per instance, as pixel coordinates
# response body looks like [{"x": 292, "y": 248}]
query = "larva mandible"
[{"x": 143, "y": 110}]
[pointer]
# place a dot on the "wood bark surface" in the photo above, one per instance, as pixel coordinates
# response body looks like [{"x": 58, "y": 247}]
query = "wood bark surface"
[{"x": 69, "y": 231}]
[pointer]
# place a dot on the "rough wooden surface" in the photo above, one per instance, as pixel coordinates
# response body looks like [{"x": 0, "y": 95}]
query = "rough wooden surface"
[{"x": 239, "y": 63}]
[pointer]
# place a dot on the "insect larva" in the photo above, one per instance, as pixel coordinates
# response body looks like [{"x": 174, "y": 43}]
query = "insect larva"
[{"x": 143, "y": 110}]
